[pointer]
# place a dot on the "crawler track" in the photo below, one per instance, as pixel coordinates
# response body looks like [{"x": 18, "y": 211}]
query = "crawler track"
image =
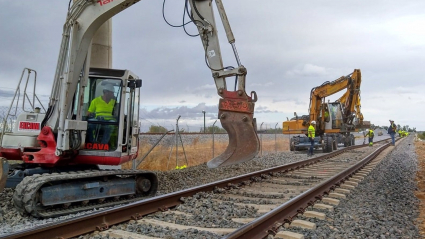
[
  {"x": 297, "y": 185},
  {"x": 26, "y": 196}
]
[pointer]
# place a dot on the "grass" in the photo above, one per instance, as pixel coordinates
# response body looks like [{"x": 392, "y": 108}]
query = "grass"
[{"x": 163, "y": 158}]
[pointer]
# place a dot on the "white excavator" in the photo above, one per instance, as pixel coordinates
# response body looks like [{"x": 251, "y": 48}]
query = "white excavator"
[{"x": 59, "y": 151}]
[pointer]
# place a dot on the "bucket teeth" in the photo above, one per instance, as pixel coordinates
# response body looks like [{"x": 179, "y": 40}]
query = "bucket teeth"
[{"x": 243, "y": 140}]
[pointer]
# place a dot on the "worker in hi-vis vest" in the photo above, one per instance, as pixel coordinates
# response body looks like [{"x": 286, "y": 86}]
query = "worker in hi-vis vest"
[
  {"x": 311, "y": 134},
  {"x": 370, "y": 133}
]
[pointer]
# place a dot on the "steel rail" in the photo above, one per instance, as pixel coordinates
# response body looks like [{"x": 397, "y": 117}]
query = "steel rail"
[
  {"x": 100, "y": 221},
  {"x": 270, "y": 222}
]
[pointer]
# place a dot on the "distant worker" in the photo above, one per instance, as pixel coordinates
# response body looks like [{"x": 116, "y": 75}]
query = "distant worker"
[
  {"x": 399, "y": 133},
  {"x": 370, "y": 133},
  {"x": 311, "y": 135},
  {"x": 391, "y": 131},
  {"x": 101, "y": 108}
]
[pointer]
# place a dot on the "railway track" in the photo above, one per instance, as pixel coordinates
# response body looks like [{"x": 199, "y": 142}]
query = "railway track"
[{"x": 254, "y": 205}]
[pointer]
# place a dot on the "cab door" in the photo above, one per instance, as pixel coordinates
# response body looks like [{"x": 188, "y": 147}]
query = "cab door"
[{"x": 131, "y": 129}]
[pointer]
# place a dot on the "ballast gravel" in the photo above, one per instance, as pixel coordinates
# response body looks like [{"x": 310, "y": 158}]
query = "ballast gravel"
[
  {"x": 371, "y": 214},
  {"x": 382, "y": 206}
]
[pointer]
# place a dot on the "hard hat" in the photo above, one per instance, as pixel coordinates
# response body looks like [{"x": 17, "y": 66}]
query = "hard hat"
[
  {"x": 313, "y": 122},
  {"x": 108, "y": 87},
  {"x": 391, "y": 120},
  {"x": 367, "y": 129}
]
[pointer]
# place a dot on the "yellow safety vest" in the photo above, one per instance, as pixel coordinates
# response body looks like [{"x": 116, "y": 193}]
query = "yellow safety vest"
[
  {"x": 326, "y": 114},
  {"x": 101, "y": 108},
  {"x": 311, "y": 131}
]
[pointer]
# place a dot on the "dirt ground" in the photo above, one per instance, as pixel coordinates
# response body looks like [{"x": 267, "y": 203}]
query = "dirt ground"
[{"x": 420, "y": 178}]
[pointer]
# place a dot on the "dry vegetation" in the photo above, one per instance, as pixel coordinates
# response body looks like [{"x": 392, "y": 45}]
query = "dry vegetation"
[
  {"x": 163, "y": 158},
  {"x": 420, "y": 178}
]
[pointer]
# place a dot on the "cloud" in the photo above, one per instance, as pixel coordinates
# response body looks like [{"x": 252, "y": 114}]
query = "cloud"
[
  {"x": 184, "y": 111},
  {"x": 204, "y": 87},
  {"x": 307, "y": 70},
  {"x": 262, "y": 84},
  {"x": 286, "y": 54}
]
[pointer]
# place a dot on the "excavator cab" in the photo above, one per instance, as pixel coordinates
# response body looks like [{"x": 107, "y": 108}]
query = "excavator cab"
[
  {"x": 335, "y": 115},
  {"x": 110, "y": 104},
  {"x": 102, "y": 127}
]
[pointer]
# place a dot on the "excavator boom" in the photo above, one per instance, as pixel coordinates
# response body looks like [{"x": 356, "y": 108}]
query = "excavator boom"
[
  {"x": 349, "y": 102},
  {"x": 83, "y": 21},
  {"x": 236, "y": 108},
  {"x": 334, "y": 120}
]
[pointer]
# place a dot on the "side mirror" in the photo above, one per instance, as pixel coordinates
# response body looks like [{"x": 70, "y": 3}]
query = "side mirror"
[{"x": 137, "y": 83}]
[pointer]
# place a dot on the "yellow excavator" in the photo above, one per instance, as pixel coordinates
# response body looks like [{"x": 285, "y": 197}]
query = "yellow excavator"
[{"x": 335, "y": 121}]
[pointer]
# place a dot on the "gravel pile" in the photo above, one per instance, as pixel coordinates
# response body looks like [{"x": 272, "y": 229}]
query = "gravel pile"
[{"x": 382, "y": 206}]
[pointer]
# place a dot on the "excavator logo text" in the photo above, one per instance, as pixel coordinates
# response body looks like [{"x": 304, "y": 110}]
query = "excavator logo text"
[
  {"x": 103, "y": 2},
  {"x": 29, "y": 126},
  {"x": 96, "y": 146}
]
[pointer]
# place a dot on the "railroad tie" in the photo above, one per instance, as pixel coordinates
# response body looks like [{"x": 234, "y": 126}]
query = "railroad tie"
[
  {"x": 243, "y": 220},
  {"x": 357, "y": 177},
  {"x": 302, "y": 224},
  {"x": 355, "y": 180},
  {"x": 314, "y": 214},
  {"x": 341, "y": 190},
  {"x": 332, "y": 201},
  {"x": 289, "y": 235},
  {"x": 262, "y": 208},
  {"x": 323, "y": 206},
  {"x": 352, "y": 183},
  {"x": 337, "y": 195},
  {"x": 218, "y": 231},
  {"x": 125, "y": 234},
  {"x": 346, "y": 186}
]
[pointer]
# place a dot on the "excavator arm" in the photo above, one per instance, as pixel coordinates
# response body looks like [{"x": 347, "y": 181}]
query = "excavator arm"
[
  {"x": 236, "y": 108},
  {"x": 351, "y": 98},
  {"x": 319, "y": 93},
  {"x": 350, "y": 102}
]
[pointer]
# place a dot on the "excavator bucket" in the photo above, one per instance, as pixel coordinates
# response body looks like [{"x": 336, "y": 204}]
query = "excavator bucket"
[
  {"x": 4, "y": 171},
  {"x": 241, "y": 128}
]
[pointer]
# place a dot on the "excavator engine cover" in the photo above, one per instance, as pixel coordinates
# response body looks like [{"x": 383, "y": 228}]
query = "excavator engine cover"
[
  {"x": 4, "y": 170},
  {"x": 236, "y": 117}
]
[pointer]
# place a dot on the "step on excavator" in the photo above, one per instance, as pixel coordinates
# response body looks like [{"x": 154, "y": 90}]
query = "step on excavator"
[
  {"x": 335, "y": 121},
  {"x": 52, "y": 157}
]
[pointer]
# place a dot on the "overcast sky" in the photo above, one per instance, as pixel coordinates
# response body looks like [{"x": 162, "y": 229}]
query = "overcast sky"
[{"x": 288, "y": 47}]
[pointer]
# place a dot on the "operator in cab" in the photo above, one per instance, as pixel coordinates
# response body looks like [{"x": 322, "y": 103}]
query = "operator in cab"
[
  {"x": 101, "y": 109},
  {"x": 311, "y": 135}
]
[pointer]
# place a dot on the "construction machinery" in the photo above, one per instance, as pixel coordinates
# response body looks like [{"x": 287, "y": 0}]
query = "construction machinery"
[
  {"x": 335, "y": 121},
  {"x": 55, "y": 169}
]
